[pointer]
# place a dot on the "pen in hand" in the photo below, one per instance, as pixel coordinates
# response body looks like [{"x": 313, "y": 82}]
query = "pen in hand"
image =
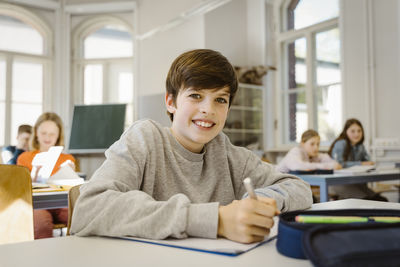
[
  {"x": 250, "y": 190},
  {"x": 249, "y": 187}
]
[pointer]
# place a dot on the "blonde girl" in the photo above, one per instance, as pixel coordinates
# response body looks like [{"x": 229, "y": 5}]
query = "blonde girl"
[{"x": 47, "y": 132}]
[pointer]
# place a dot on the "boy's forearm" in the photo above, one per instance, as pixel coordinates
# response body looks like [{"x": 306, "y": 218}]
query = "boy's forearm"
[
  {"x": 289, "y": 193},
  {"x": 203, "y": 220},
  {"x": 134, "y": 213}
]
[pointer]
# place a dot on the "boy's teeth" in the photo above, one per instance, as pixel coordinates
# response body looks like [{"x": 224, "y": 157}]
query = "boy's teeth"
[{"x": 203, "y": 124}]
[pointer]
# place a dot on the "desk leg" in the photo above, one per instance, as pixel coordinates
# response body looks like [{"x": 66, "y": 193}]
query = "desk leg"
[{"x": 323, "y": 192}]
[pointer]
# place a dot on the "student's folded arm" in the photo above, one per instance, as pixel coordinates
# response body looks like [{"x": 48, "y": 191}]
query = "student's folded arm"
[
  {"x": 304, "y": 165},
  {"x": 112, "y": 204},
  {"x": 294, "y": 162},
  {"x": 351, "y": 163},
  {"x": 326, "y": 161},
  {"x": 111, "y": 209},
  {"x": 289, "y": 191}
]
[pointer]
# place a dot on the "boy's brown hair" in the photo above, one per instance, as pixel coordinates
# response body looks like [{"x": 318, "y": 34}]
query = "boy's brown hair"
[
  {"x": 48, "y": 116},
  {"x": 201, "y": 69},
  {"x": 24, "y": 128}
]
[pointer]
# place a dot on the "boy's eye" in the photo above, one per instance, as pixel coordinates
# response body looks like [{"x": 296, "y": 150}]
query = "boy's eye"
[
  {"x": 221, "y": 100},
  {"x": 195, "y": 96}
]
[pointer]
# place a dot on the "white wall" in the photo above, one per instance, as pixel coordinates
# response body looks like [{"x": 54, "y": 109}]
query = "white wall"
[
  {"x": 371, "y": 54},
  {"x": 157, "y": 53},
  {"x": 386, "y": 23},
  {"x": 226, "y": 31}
]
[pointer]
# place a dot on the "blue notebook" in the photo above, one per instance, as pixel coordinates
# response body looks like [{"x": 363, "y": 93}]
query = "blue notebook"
[{"x": 220, "y": 246}]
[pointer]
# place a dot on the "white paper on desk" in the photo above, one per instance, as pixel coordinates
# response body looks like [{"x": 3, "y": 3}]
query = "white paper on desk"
[
  {"x": 65, "y": 176},
  {"x": 39, "y": 185},
  {"x": 356, "y": 169},
  {"x": 220, "y": 246},
  {"x": 47, "y": 160}
]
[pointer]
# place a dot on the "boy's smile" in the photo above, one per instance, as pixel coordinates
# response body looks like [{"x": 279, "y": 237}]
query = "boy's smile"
[
  {"x": 199, "y": 116},
  {"x": 204, "y": 123}
]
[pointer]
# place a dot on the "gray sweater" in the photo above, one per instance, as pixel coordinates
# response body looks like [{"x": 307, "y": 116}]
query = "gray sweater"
[{"x": 150, "y": 186}]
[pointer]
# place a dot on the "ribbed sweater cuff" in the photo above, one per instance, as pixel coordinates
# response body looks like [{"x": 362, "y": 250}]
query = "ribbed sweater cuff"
[{"x": 203, "y": 220}]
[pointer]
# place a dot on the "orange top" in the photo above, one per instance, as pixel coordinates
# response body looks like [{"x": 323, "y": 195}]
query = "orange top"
[{"x": 25, "y": 159}]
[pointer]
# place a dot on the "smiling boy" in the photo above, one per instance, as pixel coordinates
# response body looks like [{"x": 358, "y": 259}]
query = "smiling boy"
[{"x": 186, "y": 180}]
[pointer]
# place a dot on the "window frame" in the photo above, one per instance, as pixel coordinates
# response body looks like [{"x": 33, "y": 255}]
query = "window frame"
[
  {"x": 80, "y": 32},
  {"x": 283, "y": 37},
  {"x": 46, "y": 59}
]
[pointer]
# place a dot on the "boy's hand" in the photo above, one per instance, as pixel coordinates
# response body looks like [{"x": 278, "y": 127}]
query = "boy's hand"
[{"x": 247, "y": 220}]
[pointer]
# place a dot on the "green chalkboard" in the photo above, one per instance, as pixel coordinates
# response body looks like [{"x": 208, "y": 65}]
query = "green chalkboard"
[{"x": 96, "y": 127}]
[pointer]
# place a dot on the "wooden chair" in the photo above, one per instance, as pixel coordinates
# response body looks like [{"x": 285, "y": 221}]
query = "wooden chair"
[
  {"x": 16, "y": 209},
  {"x": 73, "y": 195}
]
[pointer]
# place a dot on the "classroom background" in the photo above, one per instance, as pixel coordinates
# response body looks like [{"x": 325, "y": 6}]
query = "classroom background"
[{"x": 326, "y": 61}]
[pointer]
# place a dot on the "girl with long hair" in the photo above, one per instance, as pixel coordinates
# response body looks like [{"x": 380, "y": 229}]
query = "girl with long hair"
[
  {"x": 47, "y": 132},
  {"x": 348, "y": 149}
]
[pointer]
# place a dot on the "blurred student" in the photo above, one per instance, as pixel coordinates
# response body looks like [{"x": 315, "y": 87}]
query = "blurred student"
[
  {"x": 48, "y": 131},
  {"x": 187, "y": 179},
  {"x": 348, "y": 149},
  {"x": 10, "y": 154},
  {"x": 306, "y": 156}
]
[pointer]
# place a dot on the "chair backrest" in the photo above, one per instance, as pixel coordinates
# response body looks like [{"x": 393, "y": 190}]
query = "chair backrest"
[
  {"x": 73, "y": 195},
  {"x": 16, "y": 209}
]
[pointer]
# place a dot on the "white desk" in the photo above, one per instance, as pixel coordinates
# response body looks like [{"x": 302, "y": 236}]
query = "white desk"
[
  {"x": 325, "y": 180},
  {"x": 97, "y": 251}
]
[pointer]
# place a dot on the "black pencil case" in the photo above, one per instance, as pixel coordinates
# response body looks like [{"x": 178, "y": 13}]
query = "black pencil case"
[{"x": 350, "y": 244}]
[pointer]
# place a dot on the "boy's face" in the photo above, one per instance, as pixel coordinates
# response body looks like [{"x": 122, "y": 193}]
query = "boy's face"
[
  {"x": 199, "y": 115},
  {"x": 23, "y": 140}
]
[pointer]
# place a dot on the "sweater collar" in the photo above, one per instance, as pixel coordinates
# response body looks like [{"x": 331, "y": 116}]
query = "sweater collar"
[{"x": 181, "y": 150}]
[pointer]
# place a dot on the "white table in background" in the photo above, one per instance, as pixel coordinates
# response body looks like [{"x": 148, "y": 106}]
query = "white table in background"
[{"x": 326, "y": 180}]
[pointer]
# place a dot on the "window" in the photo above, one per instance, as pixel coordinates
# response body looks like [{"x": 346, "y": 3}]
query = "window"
[
  {"x": 27, "y": 93},
  {"x": 305, "y": 13},
  {"x": 23, "y": 69},
  {"x": 310, "y": 83},
  {"x": 104, "y": 64},
  {"x": 2, "y": 98},
  {"x": 18, "y": 36}
]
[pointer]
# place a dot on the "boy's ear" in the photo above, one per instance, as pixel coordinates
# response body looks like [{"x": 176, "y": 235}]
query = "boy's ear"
[{"x": 169, "y": 103}]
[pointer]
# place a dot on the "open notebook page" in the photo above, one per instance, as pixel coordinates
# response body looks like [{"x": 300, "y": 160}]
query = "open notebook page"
[{"x": 220, "y": 246}]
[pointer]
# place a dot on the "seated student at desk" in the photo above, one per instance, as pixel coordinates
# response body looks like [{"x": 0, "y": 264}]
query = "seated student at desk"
[
  {"x": 187, "y": 180},
  {"x": 348, "y": 149},
  {"x": 306, "y": 156},
  {"x": 10, "y": 154},
  {"x": 47, "y": 132}
]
